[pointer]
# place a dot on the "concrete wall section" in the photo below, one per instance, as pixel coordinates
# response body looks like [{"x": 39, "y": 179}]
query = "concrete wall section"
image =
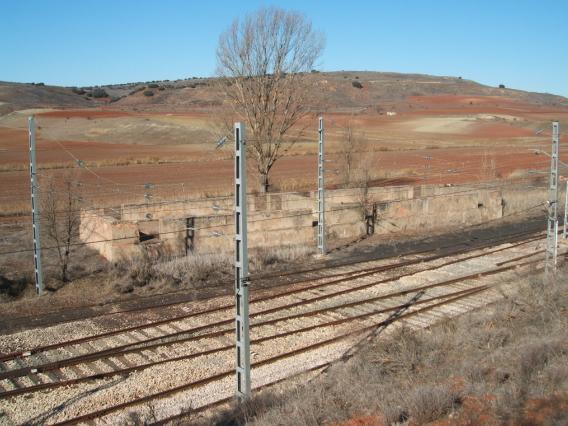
[
  {"x": 113, "y": 239},
  {"x": 438, "y": 212},
  {"x": 290, "y": 218}
]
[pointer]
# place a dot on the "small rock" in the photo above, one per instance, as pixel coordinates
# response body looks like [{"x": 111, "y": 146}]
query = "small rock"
[{"x": 54, "y": 284}]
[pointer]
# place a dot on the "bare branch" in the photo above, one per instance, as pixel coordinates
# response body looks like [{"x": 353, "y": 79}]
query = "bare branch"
[
  {"x": 60, "y": 211},
  {"x": 263, "y": 61}
]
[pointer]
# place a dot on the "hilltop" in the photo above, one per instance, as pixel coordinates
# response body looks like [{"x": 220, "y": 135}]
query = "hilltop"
[
  {"x": 340, "y": 91},
  {"x": 17, "y": 96}
]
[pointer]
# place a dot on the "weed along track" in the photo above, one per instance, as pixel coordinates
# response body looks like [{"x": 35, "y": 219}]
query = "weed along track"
[{"x": 187, "y": 361}]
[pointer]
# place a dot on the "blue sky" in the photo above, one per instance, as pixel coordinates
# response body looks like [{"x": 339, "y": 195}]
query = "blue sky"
[{"x": 522, "y": 43}]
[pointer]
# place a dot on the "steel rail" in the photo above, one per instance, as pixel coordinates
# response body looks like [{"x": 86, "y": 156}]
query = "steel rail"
[
  {"x": 356, "y": 275},
  {"x": 141, "y": 367},
  {"x": 219, "y": 376},
  {"x": 113, "y": 352},
  {"x": 67, "y": 311}
]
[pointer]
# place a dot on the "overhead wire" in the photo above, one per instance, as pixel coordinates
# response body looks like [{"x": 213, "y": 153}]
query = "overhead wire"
[
  {"x": 374, "y": 190},
  {"x": 347, "y": 207},
  {"x": 82, "y": 165}
]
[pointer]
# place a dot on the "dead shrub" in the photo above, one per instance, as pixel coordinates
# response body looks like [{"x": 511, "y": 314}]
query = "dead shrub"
[
  {"x": 197, "y": 270},
  {"x": 274, "y": 256},
  {"x": 12, "y": 287},
  {"x": 426, "y": 403},
  {"x": 137, "y": 271},
  {"x": 534, "y": 355}
]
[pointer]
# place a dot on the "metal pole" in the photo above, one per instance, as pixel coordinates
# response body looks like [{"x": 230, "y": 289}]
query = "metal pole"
[
  {"x": 35, "y": 207},
  {"x": 565, "y": 233},
  {"x": 321, "y": 190},
  {"x": 241, "y": 267},
  {"x": 552, "y": 225}
]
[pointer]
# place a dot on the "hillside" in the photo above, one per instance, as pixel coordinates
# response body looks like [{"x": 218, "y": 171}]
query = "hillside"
[
  {"x": 333, "y": 91},
  {"x": 341, "y": 91},
  {"x": 17, "y": 96}
]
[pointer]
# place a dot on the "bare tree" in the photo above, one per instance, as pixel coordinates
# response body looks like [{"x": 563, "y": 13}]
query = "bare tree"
[
  {"x": 348, "y": 153},
  {"x": 354, "y": 158},
  {"x": 263, "y": 62},
  {"x": 60, "y": 211}
]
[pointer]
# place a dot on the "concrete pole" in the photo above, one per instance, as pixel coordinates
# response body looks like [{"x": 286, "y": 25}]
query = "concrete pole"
[
  {"x": 35, "y": 208},
  {"x": 241, "y": 267},
  {"x": 552, "y": 224},
  {"x": 321, "y": 190}
]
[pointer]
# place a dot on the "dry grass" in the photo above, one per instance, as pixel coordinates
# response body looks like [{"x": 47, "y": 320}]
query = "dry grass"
[
  {"x": 506, "y": 364},
  {"x": 15, "y": 208},
  {"x": 292, "y": 184},
  {"x": 107, "y": 162},
  {"x": 198, "y": 271}
]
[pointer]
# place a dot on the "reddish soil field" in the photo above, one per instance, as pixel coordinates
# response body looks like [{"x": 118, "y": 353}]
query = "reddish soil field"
[
  {"x": 458, "y": 150},
  {"x": 485, "y": 102},
  {"x": 14, "y": 149},
  {"x": 436, "y": 166},
  {"x": 466, "y": 100},
  {"x": 85, "y": 113},
  {"x": 13, "y": 146},
  {"x": 115, "y": 113},
  {"x": 454, "y": 104}
]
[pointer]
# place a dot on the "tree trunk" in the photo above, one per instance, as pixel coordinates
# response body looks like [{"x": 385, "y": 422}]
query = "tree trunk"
[
  {"x": 64, "y": 277},
  {"x": 264, "y": 185}
]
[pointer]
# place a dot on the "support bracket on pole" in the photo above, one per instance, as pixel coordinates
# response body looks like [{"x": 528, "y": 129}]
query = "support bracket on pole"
[
  {"x": 38, "y": 274},
  {"x": 552, "y": 221},
  {"x": 321, "y": 190},
  {"x": 241, "y": 268}
]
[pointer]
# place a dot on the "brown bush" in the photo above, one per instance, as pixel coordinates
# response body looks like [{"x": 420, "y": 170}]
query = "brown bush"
[{"x": 197, "y": 270}]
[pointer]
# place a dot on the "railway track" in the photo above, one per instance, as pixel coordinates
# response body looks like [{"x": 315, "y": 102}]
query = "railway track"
[
  {"x": 323, "y": 315},
  {"x": 303, "y": 280},
  {"x": 263, "y": 281},
  {"x": 300, "y": 285}
]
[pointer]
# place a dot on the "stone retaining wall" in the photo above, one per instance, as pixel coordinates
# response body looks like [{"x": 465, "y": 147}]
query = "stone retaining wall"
[{"x": 291, "y": 219}]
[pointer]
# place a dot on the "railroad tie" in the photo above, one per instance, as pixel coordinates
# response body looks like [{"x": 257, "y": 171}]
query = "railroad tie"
[
  {"x": 176, "y": 328},
  {"x": 76, "y": 371},
  {"x": 94, "y": 367},
  {"x": 110, "y": 363},
  {"x": 54, "y": 375},
  {"x": 89, "y": 347},
  {"x": 124, "y": 360},
  {"x": 15, "y": 382}
]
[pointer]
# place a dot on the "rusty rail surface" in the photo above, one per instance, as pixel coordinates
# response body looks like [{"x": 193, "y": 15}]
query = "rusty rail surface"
[
  {"x": 347, "y": 276},
  {"x": 125, "y": 349},
  {"x": 64, "y": 313},
  {"x": 227, "y": 373}
]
